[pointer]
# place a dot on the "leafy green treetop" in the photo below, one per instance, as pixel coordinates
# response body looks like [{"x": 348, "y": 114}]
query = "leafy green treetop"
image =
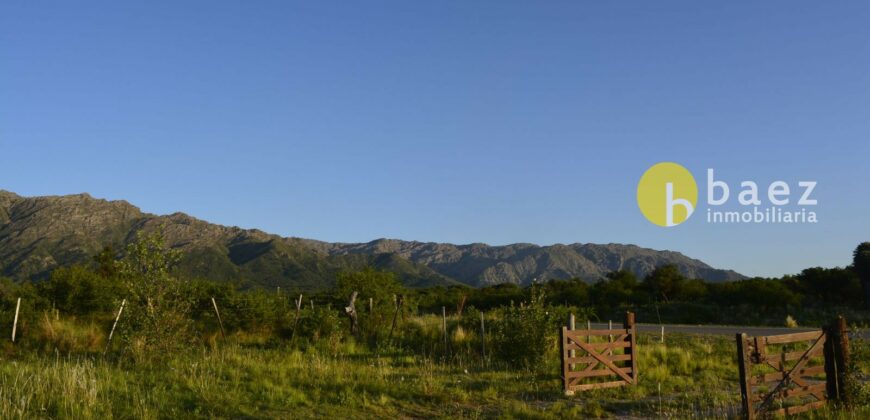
[{"x": 157, "y": 320}]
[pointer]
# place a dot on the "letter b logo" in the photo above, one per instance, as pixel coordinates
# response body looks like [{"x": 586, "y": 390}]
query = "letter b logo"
[{"x": 667, "y": 194}]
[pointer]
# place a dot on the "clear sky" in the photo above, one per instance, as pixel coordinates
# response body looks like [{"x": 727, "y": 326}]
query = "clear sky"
[{"x": 465, "y": 121}]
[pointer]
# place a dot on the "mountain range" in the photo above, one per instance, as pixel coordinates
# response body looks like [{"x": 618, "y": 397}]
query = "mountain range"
[{"x": 39, "y": 234}]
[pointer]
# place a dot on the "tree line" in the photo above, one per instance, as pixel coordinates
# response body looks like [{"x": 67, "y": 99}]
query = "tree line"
[{"x": 163, "y": 307}]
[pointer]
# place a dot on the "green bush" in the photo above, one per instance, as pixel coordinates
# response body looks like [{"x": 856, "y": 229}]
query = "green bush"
[
  {"x": 322, "y": 327},
  {"x": 77, "y": 290},
  {"x": 521, "y": 335},
  {"x": 156, "y": 321}
]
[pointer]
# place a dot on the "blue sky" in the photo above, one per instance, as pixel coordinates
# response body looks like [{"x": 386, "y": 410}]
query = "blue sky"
[{"x": 459, "y": 122}]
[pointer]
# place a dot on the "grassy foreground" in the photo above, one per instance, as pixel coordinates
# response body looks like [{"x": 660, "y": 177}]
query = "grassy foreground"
[{"x": 689, "y": 376}]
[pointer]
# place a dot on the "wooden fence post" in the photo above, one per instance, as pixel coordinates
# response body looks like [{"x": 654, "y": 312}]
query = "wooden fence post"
[
  {"x": 298, "y": 303},
  {"x": 631, "y": 350},
  {"x": 744, "y": 368},
  {"x": 610, "y": 336},
  {"x": 482, "y": 337},
  {"x": 114, "y": 324},
  {"x": 563, "y": 343},
  {"x": 571, "y": 326},
  {"x": 15, "y": 323},
  {"x": 444, "y": 326},
  {"x": 838, "y": 348},
  {"x": 397, "y": 301},
  {"x": 220, "y": 322}
]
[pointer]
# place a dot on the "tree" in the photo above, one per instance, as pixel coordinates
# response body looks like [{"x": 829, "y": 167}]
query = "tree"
[
  {"x": 380, "y": 286},
  {"x": 105, "y": 262},
  {"x": 619, "y": 288},
  {"x": 861, "y": 265},
  {"x": 157, "y": 320},
  {"x": 665, "y": 282},
  {"x": 757, "y": 292},
  {"x": 80, "y": 291},
  {"x": 574, "y": 292},
  {"x": 832, "y": 286},
  {"x": 373, "y": 304}
]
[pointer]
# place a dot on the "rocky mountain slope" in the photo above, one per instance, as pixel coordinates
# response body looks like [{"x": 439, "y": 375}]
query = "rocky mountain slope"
[
  {"x": 39, "y": 234},
  {"x": 481, "y": 264}
]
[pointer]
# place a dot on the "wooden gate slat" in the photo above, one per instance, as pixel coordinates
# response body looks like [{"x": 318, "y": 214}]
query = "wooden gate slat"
[
  {"x": 586, "y": 333},
  {"x": 775, "y": 360},
  {"x": 599, "y": 385},
  {"x": 597, "y": 372},
  {"x": 795, "y": 409},
  {"x": 794, "y": 337},
  {"x": 778, "y": 376},
  {"x": 577, "y": 345},
  {"x": 815, "y": 390},
  {"x": 586, "y": 359}
]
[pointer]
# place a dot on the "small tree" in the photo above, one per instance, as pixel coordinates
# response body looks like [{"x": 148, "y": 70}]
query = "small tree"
[
  {"x": 377, "y": 287},
  {"x": 156, "y": 320},
  {"x": 521, "y": 335},
  {"x": 861, "y": 265}
]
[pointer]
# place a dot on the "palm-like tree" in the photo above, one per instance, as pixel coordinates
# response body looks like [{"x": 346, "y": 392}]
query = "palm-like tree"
[{"x": 861, "y": 264}]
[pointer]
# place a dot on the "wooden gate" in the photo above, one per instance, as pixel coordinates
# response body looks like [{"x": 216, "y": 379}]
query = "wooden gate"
[
  {"x": 615, "y": 350},
  {"x": 792, "y": 373}
]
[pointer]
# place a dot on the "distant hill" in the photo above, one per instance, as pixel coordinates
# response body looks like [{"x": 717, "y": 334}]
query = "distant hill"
[{"x": 39, "y": 234}]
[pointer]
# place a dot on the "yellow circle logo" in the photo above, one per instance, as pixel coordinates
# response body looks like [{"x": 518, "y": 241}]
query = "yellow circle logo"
[{"x": 667, "y": 194}]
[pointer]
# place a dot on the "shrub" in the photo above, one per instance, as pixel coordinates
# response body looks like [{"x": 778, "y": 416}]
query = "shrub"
[
  {"x": 77, "y": 290},
  {"x": 322, "y": 327},
  {"x": 156, "y": 320},
  {"x": 521, "y": 335}
]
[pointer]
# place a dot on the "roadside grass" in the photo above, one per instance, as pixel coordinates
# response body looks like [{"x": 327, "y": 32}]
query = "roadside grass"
[
  {"x": 247, "y": 376},
  {"x": 250, "y": 381}
]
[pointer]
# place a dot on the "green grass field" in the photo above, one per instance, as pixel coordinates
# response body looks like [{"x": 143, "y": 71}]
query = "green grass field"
[{"x": 242, "y": 377}]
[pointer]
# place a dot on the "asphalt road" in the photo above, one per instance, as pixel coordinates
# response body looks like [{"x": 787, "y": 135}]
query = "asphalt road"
[{"x": 730, "y": 330}]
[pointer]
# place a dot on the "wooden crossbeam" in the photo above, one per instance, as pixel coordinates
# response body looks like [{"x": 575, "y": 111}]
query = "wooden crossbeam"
[
  {"x": 796, "y": 409},
  {"x": 599, "y": 385},
  {"x": 588, "y": 359},
  {"x": 584, "y": 333},
  {"x": 622, "y": 341},
  {"x": 794, "y": 337},
  {"x": 778, "y": 376}
]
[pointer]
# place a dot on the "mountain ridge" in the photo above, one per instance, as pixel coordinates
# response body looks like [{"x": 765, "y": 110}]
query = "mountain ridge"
[{"x": 39, "y": 234}]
